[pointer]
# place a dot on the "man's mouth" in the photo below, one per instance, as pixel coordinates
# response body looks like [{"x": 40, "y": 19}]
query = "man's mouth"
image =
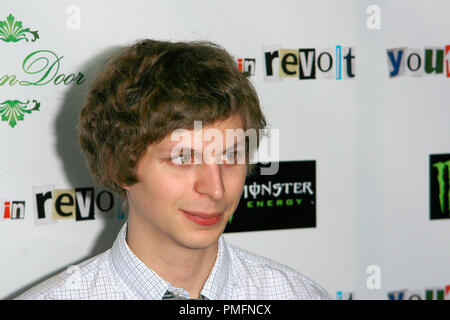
[{"x": 202, "y": 218}]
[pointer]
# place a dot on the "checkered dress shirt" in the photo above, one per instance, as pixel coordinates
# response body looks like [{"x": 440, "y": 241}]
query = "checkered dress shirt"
[{"x": 118, "y": 273}]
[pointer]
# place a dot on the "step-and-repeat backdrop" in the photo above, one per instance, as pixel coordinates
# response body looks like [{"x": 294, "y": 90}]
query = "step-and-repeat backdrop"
[{"x": 358, "y": 91}]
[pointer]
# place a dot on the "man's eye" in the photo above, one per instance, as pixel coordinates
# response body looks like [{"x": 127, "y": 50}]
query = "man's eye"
[
  {"x": 182, "y": 159},
  {"x": 231, "y": 157},
  {"x": 186, "y": 159}
]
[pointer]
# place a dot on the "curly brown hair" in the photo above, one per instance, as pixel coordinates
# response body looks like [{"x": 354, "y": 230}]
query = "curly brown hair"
[{"x": 149, "y": 89}]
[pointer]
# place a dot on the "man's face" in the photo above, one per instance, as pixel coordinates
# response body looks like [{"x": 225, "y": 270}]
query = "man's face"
[{"x": 168, "y": 187}]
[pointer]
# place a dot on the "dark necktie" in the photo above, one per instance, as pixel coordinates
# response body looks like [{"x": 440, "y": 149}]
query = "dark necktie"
[{"x": 171, "y": 296}]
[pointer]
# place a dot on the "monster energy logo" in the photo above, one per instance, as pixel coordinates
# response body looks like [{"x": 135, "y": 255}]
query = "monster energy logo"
[
  {"x": 278, "y": 188},
  {"x": 284, "y": 201},
  {"x": 444, "y": 185}
]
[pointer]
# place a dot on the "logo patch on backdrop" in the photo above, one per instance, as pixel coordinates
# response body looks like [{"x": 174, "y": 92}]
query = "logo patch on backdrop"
[
  {"x": 41, "y": 67},
  {"x": 438, "y": 293},
  {"x": 286, "y": 200},
  {"x": 439, "y": 186},
  {"x": 14, "y": 110},
  {"x": 336, "y": 62},
  {"x": 416, "y": 62},
  {"x": 343, "y": 295},
  {"x": 11, "y": 30},
  {"x": 247, "y": 65}
]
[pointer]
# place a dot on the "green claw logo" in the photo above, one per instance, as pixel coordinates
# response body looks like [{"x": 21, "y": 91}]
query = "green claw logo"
[
  {"x": 14, "y": 110},
  {"x": 11, "y": 30},
  {"x": 441, "y": 166}
]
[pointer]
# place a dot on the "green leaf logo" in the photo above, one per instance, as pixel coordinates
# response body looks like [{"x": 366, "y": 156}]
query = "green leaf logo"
[
  {"x": 11, "y": 30},
  {"x": 14, "y": 110}
]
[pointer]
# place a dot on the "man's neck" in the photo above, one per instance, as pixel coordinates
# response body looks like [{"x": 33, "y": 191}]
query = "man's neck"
[{"x": 180, "y": 266}]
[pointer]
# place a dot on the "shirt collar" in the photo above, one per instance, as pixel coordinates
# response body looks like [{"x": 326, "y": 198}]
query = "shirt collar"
[
  {"x": 149, "y": 285},
  {"x": 216, "y": 286}
]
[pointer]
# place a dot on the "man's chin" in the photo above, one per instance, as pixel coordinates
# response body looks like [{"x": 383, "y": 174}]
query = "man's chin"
[{"x": 200, "y": 240}]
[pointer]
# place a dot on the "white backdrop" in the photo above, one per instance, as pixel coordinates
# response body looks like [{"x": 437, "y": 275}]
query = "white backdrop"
[{"x": 371, "y": 137}]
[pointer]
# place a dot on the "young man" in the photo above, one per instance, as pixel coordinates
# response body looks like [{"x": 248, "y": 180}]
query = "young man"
[{"x": 179, "y": 196}]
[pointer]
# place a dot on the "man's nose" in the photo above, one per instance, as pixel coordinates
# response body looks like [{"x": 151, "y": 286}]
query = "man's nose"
[{"x": 210, "y": 181}]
